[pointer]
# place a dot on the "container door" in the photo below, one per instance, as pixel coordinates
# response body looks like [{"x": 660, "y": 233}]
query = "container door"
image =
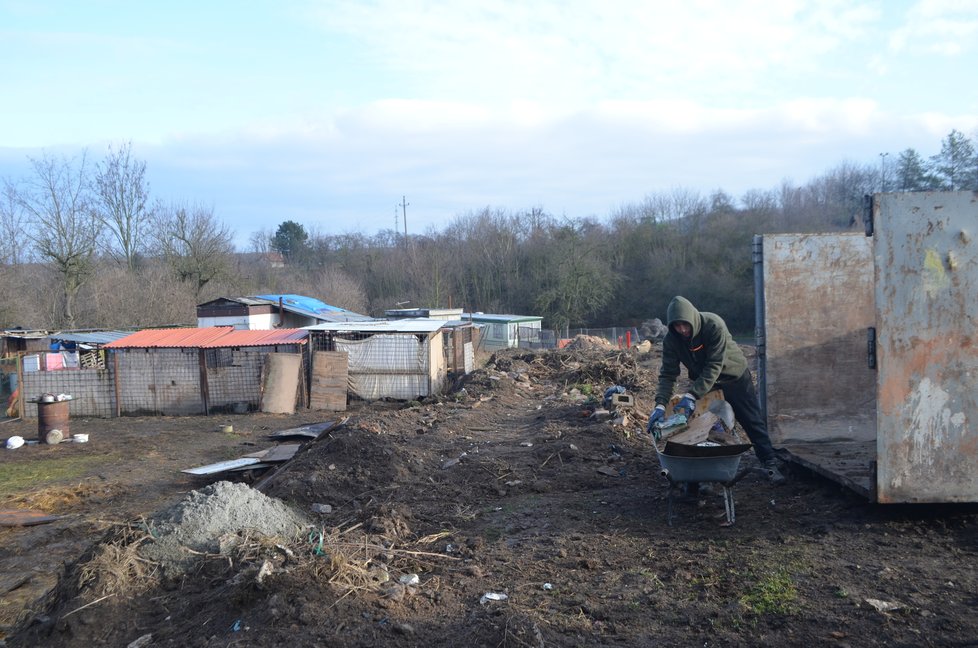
[
  {"x": 820, "y": 391},
  {"x": 926, "y": 259}
]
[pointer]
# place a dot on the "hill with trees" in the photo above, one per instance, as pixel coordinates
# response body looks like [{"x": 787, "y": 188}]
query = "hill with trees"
[{"x": 84, "y": 245}]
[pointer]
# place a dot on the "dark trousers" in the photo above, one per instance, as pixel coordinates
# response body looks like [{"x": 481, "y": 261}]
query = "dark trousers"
[{"x": 743, "y": 400}]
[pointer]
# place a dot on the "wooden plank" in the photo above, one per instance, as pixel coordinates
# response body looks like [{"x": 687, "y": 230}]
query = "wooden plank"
[
  {"x": 330, "y": 381},
  {"x": 18, "y": 517},
  {"x": 281, "y": 384}
]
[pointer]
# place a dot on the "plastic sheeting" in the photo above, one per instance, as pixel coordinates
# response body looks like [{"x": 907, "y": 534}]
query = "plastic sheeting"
[{"x": 387, "y": 366}]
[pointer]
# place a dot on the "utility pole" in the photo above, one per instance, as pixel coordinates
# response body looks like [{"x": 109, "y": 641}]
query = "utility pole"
[
  {"x": 883, "y": 171},
  {"x": 395, "y": 218},
  {"x": 404, "y": 206}
]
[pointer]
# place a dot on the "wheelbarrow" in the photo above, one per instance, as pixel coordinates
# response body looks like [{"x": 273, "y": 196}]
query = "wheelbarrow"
[{"x": 685, "y": 464}]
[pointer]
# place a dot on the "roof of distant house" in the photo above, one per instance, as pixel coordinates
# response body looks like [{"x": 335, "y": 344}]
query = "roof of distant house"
[{"x": 312, "y": 307}]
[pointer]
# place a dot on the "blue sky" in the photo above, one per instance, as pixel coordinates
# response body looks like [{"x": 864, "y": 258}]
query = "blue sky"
[{"x": 327, "y": 113}]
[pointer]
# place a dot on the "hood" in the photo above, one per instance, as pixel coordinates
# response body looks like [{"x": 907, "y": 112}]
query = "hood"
[{"x": 682, "y": 310}]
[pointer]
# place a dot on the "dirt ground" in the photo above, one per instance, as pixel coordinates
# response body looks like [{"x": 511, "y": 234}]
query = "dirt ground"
[{"x": 500, "y": 514}]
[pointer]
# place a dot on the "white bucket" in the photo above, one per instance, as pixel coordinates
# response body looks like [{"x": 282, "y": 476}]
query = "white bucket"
[{"x": 80, "y": 438}]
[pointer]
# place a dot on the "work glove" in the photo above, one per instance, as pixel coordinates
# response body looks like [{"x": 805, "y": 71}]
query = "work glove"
[
  {"x": 610, "y": 392},
  {"x": 657, "y": 415},
  {"x": 686, "y": 406}
]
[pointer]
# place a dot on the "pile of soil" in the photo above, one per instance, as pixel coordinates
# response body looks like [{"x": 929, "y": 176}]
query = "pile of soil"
[
  {"x": 505, "y": 513},
  {"x": 205, "y": 519},
  {"x": 589, "y": 342}
]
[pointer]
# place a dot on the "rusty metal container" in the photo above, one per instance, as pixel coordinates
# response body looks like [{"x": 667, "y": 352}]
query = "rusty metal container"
[
  {"x": 867, "y": 352},
  {"x": 52, "y": 416}
]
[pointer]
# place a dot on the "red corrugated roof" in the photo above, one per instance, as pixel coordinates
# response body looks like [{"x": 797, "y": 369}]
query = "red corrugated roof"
[{"x": 210, "y": 337}]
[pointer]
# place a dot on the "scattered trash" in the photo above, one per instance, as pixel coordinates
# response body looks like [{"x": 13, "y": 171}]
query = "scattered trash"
[
  {"x": 452, "y": 462},
  {"x": 547, "y": 587},
  {"x": 79, "y": 438},
  {"x": 609, "y": 471},
  {"x": 235, "y": 626},
  {"x": 15, "y": 517},
  {"x": 15, "y": 442},
  {"x": 610, "y": 392},
  {"x": 492, "y": 596},
  {"x": 266, "y": 570},
  {"x": 227, "y": 429},
  {"x": 527, "y": 444},
  {"x": 515, "y": 482},
  {"x": 409, "y": 579},
  {"x": 884, "y": 606},
  {"x": 322, "y": 508},
  {"x": 142, "y": 642}
]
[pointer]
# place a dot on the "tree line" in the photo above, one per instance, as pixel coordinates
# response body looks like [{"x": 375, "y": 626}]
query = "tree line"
[{"x": 84, "y": 245}]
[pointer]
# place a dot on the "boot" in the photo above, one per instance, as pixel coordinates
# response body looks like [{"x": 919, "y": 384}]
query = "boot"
[{"x": 773, "y": 473}]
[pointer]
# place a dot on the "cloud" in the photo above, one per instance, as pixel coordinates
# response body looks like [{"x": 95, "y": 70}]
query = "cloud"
[{"x": 944, "y": 27}]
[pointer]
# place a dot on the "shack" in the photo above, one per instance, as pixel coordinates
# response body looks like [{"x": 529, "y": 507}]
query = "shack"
[
  {"x": 265, "y": 312},
  {"x": 68, "y": 362},
  {"x": 867, "y": 348},
  {"x": 174, "y": 372},
  {"x": 401, "y": 359},
  {"x": 500, "y": 331}
]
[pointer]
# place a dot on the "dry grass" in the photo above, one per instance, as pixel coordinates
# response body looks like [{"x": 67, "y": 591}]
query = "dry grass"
[
  {"x": 117, "y": 567},
  {"x": 64, "y": 499}
]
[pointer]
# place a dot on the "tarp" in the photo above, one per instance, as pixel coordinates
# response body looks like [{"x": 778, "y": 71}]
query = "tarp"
[{"x": 387, "y": 366}]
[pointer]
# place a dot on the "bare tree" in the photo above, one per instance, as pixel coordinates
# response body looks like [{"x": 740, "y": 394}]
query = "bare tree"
[
  {"x": 122, "y": 194},
  {"x": 195, "y": 243},
  {"x": 65, "y": 229},
  {"x": 13, "y": 227}
]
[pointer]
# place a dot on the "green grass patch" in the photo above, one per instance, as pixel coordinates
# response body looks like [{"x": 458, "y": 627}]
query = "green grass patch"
[
  {"x": 20, "y": 478},
  {"x": 775, "y": 593}
]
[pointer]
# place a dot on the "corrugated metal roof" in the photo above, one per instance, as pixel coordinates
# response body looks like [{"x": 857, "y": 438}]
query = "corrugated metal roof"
[
  {"x": 410, "y": 325},
  {"x": 89, "y": 337},
  {"x": 496, "y": 317},
  {"x": 311, "y": 307},
  {"x": 261, "y": 338},
  {"x": 209, "y": 337}
]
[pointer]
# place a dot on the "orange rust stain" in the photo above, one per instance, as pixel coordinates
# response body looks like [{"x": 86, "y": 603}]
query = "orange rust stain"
[{"x": 894, "y": 391}]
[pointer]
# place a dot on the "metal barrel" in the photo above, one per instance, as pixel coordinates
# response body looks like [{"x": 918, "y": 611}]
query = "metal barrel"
[{"x": 52, "y": 416}]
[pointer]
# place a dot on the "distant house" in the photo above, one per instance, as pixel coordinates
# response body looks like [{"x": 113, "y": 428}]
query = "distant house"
[
  {"x": 505, "y": 331},
  {"x": 265, "y": 312}
]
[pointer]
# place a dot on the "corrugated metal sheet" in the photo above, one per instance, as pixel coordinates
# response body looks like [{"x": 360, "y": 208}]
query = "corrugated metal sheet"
[
  {"x": 311, "y": 307},
  {"x": 500, "y": 318},
  {"x": 210, "y": 337},
  {"x": 260, "y": 338},
  {"x": 410, "y": 325},
  {"x": 89, "y": 337}
]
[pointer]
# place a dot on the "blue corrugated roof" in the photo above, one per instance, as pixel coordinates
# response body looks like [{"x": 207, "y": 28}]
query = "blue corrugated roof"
[
  {"x": 312, "y": 307},
  {"x": 310, "y": 304}
]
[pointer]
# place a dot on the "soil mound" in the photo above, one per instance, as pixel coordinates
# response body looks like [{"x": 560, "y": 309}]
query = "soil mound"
[
  {"x": 589, "y": 342},
  {"x": 206, "y": 521}
]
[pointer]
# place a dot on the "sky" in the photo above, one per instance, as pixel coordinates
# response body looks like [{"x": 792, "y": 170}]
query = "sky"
[{"x": 331, "y": 113}]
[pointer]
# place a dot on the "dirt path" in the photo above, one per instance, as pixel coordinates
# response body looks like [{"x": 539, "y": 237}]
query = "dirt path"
[{"x": 508, "y": 488}]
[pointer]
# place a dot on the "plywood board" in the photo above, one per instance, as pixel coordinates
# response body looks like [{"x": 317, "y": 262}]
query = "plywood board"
[
  {"x": 330, "y": 381},
  {"x": 281, "y": 383}
]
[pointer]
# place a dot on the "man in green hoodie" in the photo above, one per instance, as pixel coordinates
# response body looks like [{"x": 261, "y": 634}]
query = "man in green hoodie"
[{"x": 701, "y": 342}]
